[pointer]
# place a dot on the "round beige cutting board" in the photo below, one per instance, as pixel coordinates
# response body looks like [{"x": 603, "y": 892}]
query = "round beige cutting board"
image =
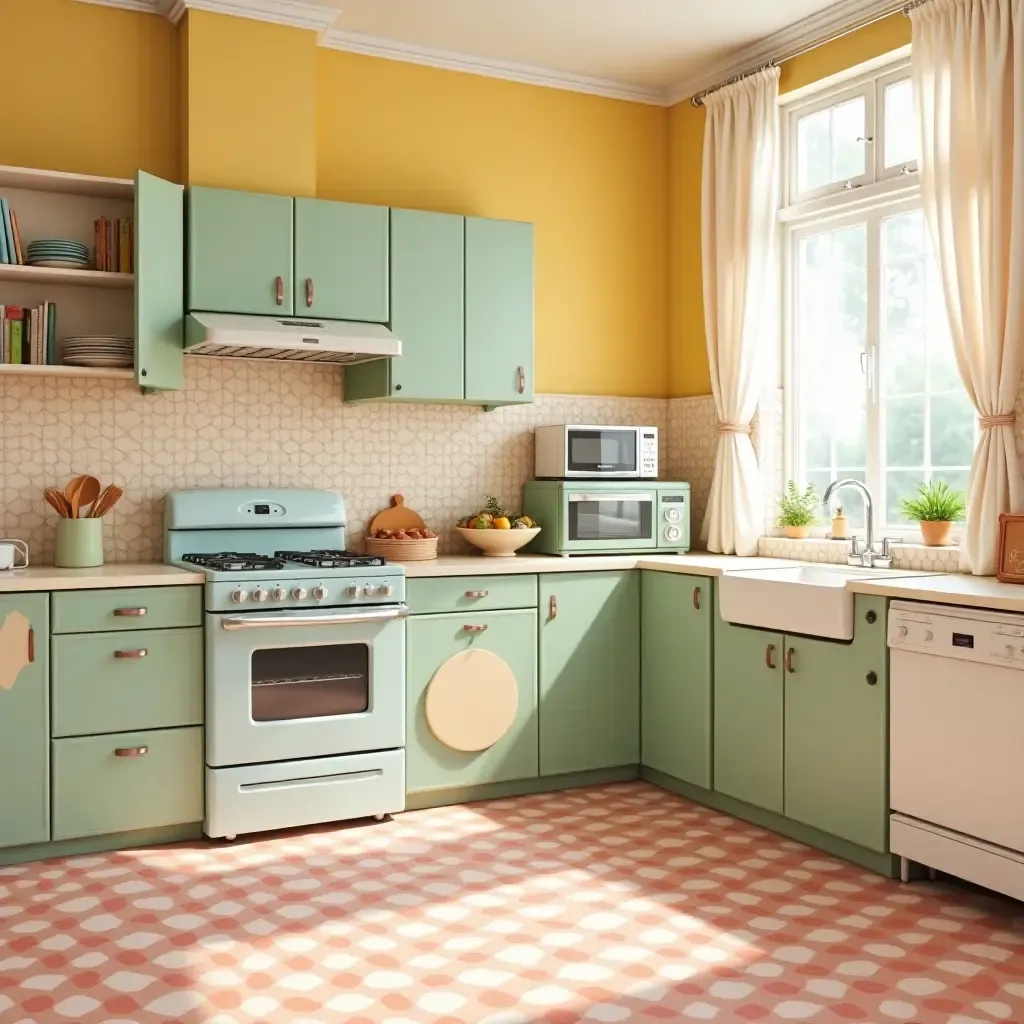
[{"x": 472, "y": 701}]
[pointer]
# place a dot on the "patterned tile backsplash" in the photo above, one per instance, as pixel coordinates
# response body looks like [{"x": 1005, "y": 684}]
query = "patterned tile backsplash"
[
  {"x": 904, "y": 556},
  {"x": 241, "y": 424}
]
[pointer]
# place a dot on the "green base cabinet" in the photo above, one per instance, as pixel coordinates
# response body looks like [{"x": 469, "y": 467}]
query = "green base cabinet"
[
  {"x": 675, "y": 681},
  {"x": 431, "y": 640},
  {"x": 589, "y": 671},
  {"x": 24, "y": 719},
  {"x": 837, "y": 700}
]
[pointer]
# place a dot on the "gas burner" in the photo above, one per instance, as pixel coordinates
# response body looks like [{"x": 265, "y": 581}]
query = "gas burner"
[
  {"x": 234, "y": 561},
  {"x": 324, "y": 559}
]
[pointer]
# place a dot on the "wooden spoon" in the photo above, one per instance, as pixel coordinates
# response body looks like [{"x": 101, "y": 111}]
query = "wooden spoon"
[
  {"x": 88, "y": 492},
  {"x": 72, "y": 492},
  {"x": 58, "y": 502},
  {"x": 106, "y": 501},
  {"x": 70, "y": 487}
]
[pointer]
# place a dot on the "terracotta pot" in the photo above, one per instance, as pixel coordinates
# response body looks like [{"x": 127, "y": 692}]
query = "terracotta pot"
[
  {"x": 797, "y": 532},
  {"x": 935, "y": 534}
]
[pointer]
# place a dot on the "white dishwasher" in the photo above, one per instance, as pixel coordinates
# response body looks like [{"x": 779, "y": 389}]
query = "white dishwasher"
[{"x": 956, "y": 742}]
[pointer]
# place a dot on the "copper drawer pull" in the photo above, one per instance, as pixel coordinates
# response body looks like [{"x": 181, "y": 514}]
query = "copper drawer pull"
[
  {"x": 522, "y": 380},
  {"x": 477, "y": 593},
  {"x": 31, "y": 644},
  {"x": 474, "y": 629},
  {"x": 553, "y": 607},
  {"x": 768, "y": 652},
  {"x": 696, "y": 598},
  {"x": 131, "y": 751},
  {"x": 309, "y": 291},
  {"x": 789, "y": 660},
  {"x": 130, "y": 613},
  {"x": 140, "y": 652},
  {"x": 280, "y": 290}
]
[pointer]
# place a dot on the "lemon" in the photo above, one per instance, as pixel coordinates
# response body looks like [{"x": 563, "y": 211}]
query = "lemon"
[
  {"x": 502, "y": 523},
  {"x": 526, "y": 521}
]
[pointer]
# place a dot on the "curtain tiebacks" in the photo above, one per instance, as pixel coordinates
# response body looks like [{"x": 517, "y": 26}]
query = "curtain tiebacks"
[
  {"x": 1005, "y": 419},
  {"x": 733, "y": 428}
]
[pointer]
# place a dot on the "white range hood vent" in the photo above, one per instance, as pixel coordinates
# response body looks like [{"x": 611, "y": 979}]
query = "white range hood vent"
[{"x": 233, "y": 336}]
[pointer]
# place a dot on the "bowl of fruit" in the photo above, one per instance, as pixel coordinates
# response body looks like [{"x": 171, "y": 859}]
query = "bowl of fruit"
[{"x": 496, "y": 531}]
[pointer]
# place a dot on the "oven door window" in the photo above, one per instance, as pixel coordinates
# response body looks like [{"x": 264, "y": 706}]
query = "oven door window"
[
  {"x": 310, "y": 682},
  {"x": 610, "y": 519},
  {"x": 598, "y": 452}
]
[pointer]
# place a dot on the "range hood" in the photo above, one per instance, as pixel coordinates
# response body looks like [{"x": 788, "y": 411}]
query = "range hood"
[{"x": 232, "y": 336}]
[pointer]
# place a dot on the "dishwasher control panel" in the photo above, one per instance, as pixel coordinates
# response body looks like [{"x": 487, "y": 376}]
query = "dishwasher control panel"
[{"x": 983, "y": 637}]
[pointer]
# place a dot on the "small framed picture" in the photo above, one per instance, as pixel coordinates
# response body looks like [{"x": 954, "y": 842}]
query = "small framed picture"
[{"x": 1010, "y": 567}]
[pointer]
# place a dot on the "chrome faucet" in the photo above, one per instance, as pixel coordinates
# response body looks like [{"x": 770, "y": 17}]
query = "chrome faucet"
[{"x": 857, "y": 557}]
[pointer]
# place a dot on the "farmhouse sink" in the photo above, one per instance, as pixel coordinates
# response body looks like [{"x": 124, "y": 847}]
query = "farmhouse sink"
[{"x": 808, "y": 599}]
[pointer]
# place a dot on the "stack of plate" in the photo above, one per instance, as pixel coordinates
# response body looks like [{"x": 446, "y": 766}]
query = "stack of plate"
[
  {"x": 58, "y": 252},
  {"x": 99, "y": 350}
]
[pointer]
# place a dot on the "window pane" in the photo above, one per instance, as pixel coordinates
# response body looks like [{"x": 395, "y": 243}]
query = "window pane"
[
  {"x": 952, "y": 428},
  {"x": 813, "y": 146},
  {"x": 904, "y": 236},
  {"x": 900, "y": 484},
  {"x": 903, "y": 365},
  {"x": 847, "y": 131},
  {"x": 956, "y": 478},
  {"x": 904, "y": 432},
  {"x": 830, "y": 146},
  {"x": 900, "y": 124}
]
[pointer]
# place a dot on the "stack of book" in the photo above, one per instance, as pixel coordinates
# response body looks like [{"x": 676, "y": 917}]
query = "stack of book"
[
  {"x": 11, "y": 250},
  {"x": 115, "y": 245},
  {"x": 29, "y": 334}
]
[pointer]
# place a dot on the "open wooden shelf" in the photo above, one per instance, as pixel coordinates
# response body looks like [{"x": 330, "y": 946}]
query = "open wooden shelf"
[
  {"x": 66, "y": 182},
  {"x": 65, "y": 275},
  {"x": 116, "y": 372}
]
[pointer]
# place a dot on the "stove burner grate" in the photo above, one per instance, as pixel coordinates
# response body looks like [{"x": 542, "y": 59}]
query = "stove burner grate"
[
  {"x": 325, "y": 559},
  {"x": 234, "y": 561}
]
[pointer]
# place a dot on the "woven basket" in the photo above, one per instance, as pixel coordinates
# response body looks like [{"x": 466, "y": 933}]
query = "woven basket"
[{"x": 402, "y": 550}]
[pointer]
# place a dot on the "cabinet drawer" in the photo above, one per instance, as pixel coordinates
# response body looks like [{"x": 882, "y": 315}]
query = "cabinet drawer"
[
  {"x": 96, "y": 791},
  {"x": 101, "y": 611},
  {"x": 112, "y": 682},
  {"x": 470, "y": 593}
]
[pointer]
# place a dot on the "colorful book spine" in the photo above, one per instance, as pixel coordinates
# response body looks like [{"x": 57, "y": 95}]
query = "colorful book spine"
[
  {"x": 19, "y": 252},
  {"x": 112, "y": 245},
  {"x": 5, "y": 209},
  {"x": 4, "y": 257},
  {"x": 124, "y": 246},
  {"x": 38, "y": 334},
  {"x": 16, "y": 315},
  {"x": 4, "y": 343},
  {"x": 51, "y": 333}
]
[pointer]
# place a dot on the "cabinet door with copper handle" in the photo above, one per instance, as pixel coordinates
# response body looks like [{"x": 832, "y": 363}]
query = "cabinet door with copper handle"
[
  {"x": 696, "y": 598},
  {"x": 474, "y": 628},
  {"x": 131, "y": 751},
  {"x": 477, "y": 593},
  {"x": 31, "y": 643},
  {"x": 138, "y": 652},
  {"x": 279, "y": 290},
  {"x": 553, "y": 607},
  {"x": 130, "y": 613},
  {"x": 769, "y": 653},
  {"x": 522, "y": 379},
  {"x": 309, "y": 292},
  {"x": 790, "y": 651}
]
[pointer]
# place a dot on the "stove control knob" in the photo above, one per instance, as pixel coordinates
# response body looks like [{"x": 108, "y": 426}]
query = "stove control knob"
[
  {"x": 929, "y": 636},
  {"x": 279, "y": 593},
  {"x": 352, "y": 590},
  {"x": 239, "y": 595},
  {"x": 319, "y": 593},
  {"x": 369, "y": 590},
  {"x": 299, "y": 593},
  {"x": 902, "y": 631},
  {"x": 386, "y": 590},
  {"x": 260, "y": 595}
]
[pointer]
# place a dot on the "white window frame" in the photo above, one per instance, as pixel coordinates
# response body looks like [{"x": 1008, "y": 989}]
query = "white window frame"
[{"x": 881, "y": 192}]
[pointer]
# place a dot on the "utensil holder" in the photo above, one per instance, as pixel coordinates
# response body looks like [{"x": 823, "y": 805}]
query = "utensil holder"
[{"x": 79, "y": 543}]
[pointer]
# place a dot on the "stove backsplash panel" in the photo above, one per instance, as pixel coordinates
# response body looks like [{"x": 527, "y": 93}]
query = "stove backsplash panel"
[{"x": 239, "y": 424}]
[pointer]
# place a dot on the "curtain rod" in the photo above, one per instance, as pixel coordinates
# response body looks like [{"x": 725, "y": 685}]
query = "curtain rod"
[{"x": 698, "y": 99}]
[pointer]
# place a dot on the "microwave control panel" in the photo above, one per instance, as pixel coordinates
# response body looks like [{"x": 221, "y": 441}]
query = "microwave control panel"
[
  {"x": 649, "y": 453},
  {"x": 672, "y": 529}
]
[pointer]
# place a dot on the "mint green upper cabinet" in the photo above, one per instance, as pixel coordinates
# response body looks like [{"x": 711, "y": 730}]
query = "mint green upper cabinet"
[
  {"x": 159, "y": 283},
  {"x": 341, "y": 261},
  {"x": 589, "y": 671},
  {"x": 24, "y": 720},
  {"x": 748, "y": 713},
  {"x": 836, "y": 719},
  {"x": 427, "y": 313},
  {"x": 240, "y": 252},
  {"x": 675, "y": 687},
  {"x": 431, "y": 640},
  {"x": 499, "y": 311}
]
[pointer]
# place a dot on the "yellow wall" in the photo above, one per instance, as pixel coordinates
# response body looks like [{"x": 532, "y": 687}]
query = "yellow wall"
[
  {"x": 87, "y": 88},
  {"x": 590, "y": 173},
  {"x": 688, "y": 360}
]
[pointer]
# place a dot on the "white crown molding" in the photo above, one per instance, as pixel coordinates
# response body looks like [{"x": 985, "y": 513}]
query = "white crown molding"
[
  {"x": 145, "y": 6},
  {"x": 295, "y": 13},
  {"x": 389, "y": 49},
  {"x": 839, "y": 18}
]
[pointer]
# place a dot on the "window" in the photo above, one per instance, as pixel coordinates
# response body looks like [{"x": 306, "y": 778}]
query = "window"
[{"x": 872, "y": 383}]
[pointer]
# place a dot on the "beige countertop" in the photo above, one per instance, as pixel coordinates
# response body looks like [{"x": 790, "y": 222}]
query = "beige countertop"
[
  {"x": 954, "y": 588},
  {"x": 116, "y": 574}
]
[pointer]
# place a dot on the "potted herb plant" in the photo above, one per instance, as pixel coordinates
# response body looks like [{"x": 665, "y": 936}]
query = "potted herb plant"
[
  {"x": 935, "y": 507},
  {"x": 798, "y": 511}
]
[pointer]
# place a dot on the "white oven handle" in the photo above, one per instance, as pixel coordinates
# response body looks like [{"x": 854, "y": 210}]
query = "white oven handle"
[
  {"x": 612, "y": 496},
  {"x": 268, "y": 621}
]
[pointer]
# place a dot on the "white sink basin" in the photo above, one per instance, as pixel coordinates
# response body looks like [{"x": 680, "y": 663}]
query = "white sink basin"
[{"x": 808, "y": 599}]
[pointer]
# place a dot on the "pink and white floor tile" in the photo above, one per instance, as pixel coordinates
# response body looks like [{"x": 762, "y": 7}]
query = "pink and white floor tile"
[{"x": 621, "y": 903}]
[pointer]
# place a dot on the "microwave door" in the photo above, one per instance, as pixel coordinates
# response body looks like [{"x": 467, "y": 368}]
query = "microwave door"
[
  {"x": 608, "y": 522},
  {"x": 598, "y": 452}
]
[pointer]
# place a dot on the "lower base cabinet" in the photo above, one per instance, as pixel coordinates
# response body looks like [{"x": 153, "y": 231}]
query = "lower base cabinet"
[{"x": 440, "y": 653}]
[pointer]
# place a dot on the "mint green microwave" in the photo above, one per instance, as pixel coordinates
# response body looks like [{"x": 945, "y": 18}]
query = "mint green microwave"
[{"x": 603, "y": 517}]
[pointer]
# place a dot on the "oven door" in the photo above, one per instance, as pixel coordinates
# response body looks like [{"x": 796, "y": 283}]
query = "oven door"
[
  {"x": 299, "y": 684},
  {"x": 598, "y": 522},
  {"x": 596, "y": 452}
]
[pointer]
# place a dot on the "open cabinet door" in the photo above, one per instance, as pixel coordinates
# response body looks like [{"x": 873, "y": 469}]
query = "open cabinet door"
[{"x": 159, "y": 283}]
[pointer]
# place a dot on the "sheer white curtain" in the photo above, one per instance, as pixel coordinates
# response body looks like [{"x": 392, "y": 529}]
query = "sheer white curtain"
[
  {"x": 740, "y": 186},
  {"x": 969, "y": 80}
]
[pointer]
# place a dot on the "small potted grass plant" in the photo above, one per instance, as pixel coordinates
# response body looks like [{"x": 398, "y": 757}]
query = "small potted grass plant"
[
  {"x": 935, "y": 507},
  {"x": 798, "y": 511}
]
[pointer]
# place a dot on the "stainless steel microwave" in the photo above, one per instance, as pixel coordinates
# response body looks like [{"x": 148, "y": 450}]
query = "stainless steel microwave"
[
  {"x": 578, "y": 451},
  {"x": 603, "y": 517}
]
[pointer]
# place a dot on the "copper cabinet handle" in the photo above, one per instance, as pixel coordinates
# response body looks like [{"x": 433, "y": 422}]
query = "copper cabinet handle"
[
  {"x": 309, "y": 291},
  {"x": 768, "y": 652},
  {"x": 477, "y": 593},
  {"x": 131, "y": 751},
  {"x": 474, "y": 629},
  {"x": 789, "y": 660},
  {"x": 131, "y": 613},
  {"x": 522, "y": 380},
  {"x": 553, "y": 607},
  {"x": 279, "y": 281},
  {"x": 696, "y": 598},
  {"x": 31, "y": 644},
  {"x": 139, "y": 652}
]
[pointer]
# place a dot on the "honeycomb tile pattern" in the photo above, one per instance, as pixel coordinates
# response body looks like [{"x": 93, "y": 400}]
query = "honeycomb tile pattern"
[
  {"x": 613, "y": 904},
  {"x": 904, "y": 556},
  {"x": 242, "y": 424}
]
